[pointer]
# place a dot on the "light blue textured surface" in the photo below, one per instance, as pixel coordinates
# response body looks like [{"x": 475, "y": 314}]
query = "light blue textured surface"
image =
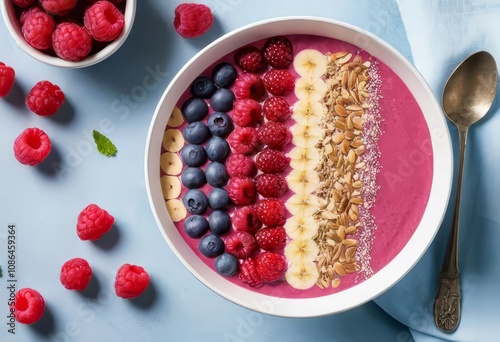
[{"x": 118, "y": 98}]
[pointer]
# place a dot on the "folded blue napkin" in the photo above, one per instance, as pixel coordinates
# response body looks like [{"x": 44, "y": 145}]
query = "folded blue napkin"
[{"x": 441, "y": 34}]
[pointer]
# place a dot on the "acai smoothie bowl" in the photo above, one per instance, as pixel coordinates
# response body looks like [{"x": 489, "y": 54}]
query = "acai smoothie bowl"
[{"x": 298, "y": 166}]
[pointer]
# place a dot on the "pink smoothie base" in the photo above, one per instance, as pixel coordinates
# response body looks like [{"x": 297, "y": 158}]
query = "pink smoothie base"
[{"x": 405, "y": 176}]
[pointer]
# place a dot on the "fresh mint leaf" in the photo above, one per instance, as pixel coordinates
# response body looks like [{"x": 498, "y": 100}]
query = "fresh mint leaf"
[{"x": 104, "y": 145}]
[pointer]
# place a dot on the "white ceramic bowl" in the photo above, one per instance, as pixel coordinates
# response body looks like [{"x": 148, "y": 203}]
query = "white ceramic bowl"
[
  {"x": 418, "y": 242},
  {"x": 12, "y": 23}
]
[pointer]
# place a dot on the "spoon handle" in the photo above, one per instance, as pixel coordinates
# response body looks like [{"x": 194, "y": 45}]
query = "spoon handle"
[{"x": 447, "y": 310}]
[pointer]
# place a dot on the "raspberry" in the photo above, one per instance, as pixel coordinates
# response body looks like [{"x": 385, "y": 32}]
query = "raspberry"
[
  {"x": 245, "y": 220},
  {"x": 271, "y": 212},
  {"x": 278, "y": 52},
  {"x": 278, "y": 81},
  {"x": 248, "y": 86},
  {"x": 131, "y": 281},
  {"x": 25, "y": 14},
  {"x": 37, "y": 30},
  {"x": 23, "y": 3},
  {"x": 241, "y": 244},
  {"x": 32, "y": 146},
  {"x": 272, "y": 161},
  {"x": 104, "y": 21},
  {"x": 238, "y": 165},
  {"x": 249, "y": 58},
  {"x": 270, "y": 266},
  {"x": 192, "y": 20},
  {"x": 75, "y": 274},
  {"x": 93, "y": 222},
  {"x": 271, "y": 238},
  {"x": 244, "y": 140},
  {"x": 271, "y": 185},
  {"x": 58, "y": 7},
  {"x": 71, "y": 41},
  {"x": 45, "y": 98},
  {"x": 276, "y": 108},
  {"x": 246, "y": 112},
  {"x": 28, "y": 306},
  {"x": 241, "y": 190},
  {"x": 7, "y": 77},
  {"x": 274, "y": 134},
  {"x": 248, "y": 273}
]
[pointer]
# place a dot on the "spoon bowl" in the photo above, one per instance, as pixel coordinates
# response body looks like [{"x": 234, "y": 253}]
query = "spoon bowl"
[
  {"x": 470, "y": 90},
  {"x": 467, "y": 97}
]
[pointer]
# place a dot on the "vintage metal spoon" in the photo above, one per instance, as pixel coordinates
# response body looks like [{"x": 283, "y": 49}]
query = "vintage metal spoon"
[{"x": 467, "y": 97}]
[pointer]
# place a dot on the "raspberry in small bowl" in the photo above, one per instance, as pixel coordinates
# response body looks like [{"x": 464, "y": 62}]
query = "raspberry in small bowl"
[{"x": 66, "y": 33}]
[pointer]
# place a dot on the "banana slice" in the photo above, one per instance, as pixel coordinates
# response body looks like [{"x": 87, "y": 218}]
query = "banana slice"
[
  {"x": 176, "y": 118},
  {"x": 301, "y": 227},
  {"x": 302, "y": 181},
  {"x": 302, "y": 158},
  {"x": 302, "y": 204},
  {"x": 300, "y": 251},
  {"x": 173, "y": 140},
  {"x": 170, "y": 186},
  {"x": 306, "y": 136},
  {"x": 307, "y": 89},
  {"x": 170, "y": 163},
  {"x": 176, "y": 210},
  {"x": 310, "y": 63},
  {"x": 308, "y": 113},
  {"x": 302, "y": 276}
]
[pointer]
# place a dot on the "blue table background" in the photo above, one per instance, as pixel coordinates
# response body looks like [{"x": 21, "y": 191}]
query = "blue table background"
[{"x": 118, "y": 98}]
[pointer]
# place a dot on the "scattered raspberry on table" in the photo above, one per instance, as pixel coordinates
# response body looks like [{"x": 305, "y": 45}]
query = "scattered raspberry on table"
[
  {"x": 93, "y": 222},
  {"x": 7, "y": 77},
  {"x": 45, "y": 98},
  {"x": 131, "y": 281},
  {"x": 32, "y": 146},
  {"x": 28, "y": 306},
  {"x": 192, "y": 20},
  {"x": 75, "y": 274}
]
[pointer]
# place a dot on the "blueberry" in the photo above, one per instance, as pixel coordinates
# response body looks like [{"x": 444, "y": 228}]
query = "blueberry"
[
  {"x": 222, "y": 100},
  {"x": 193, "y": 177},
  {"x": 224, "y": 74},
  {"x": 195, "y": 226},
  {"x": 203, "y": 87},
  {"x": 216, "y": 174},
  {"x": 195, "y": 201},
  {"x": 211, "y": 246},
  {"x": 227, "y": 264},
  {"x": 217, "y": 149},
  {"x": 220, "y": 124},
  {"x": 219, "y": 222},
  {"x": 218, "y": 198},
  {"x": 194, "y": 109},
  {"x": 193, "y": 155},
  {"x": 196, "y": 132}
]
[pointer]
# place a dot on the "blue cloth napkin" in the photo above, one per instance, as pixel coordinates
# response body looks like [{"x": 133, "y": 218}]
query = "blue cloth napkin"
[{"x": 441, "y": 34}]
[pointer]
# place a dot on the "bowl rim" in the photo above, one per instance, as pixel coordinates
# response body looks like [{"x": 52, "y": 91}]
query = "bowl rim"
[
  {"x": 7, "y": 8},
  {"x": 411, "y": 253}
]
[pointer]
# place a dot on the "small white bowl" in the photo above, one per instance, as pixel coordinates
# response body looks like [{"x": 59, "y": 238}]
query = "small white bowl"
[{"x": 12, "y": 23}]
